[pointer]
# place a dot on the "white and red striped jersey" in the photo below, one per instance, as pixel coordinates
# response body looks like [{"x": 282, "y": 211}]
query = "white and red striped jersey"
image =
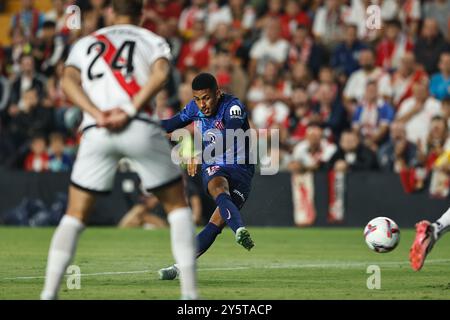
[{"x": 114, "y": 63}]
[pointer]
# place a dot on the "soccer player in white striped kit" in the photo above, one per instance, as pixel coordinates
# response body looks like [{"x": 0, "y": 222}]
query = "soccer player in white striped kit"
[{"x": 112, "y": 74}]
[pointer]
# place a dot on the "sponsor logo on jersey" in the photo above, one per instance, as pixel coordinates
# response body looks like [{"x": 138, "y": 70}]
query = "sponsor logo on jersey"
[{"x": 235, "y": 112}]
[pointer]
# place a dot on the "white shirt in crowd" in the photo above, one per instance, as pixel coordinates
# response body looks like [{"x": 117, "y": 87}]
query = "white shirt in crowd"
[
  {"x": 224, "y": 15},
  {"x": 356, "y": 84},
  {"x": 418, "y": 126},
  {"x": 265, "y": 114},
  {"x": 264, "y": 50},
  {"x": 302, "y": 154}
]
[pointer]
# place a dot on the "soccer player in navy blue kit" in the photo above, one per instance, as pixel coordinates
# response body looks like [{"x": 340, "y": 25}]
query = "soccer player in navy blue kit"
[{"x": 227, "y": 183}]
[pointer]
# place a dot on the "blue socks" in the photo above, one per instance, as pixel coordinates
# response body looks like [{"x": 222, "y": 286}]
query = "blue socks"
[
  {"x": 229, "y": 212},
  {"x": 206, "y": 237}
]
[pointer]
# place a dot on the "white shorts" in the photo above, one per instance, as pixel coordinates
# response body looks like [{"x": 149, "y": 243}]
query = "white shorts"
[{"x": 143, "y": 144}]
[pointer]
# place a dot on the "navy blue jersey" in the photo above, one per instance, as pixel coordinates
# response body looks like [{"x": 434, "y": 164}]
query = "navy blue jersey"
[{"x": 217, "y": 148}]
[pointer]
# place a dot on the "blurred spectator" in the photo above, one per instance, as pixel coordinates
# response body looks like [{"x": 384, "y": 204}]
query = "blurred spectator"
[
  {"x": 29, "y": 19},
  {"x": 404, "y": 79},
  {"x": 161, "y": 11},
  {"x": 446, "y": 110},
  {"x": 440, "y": 82},
  {"x": 37, "y": 159},
  {"x": 4, "y": 94},
  {"x": 270, "y": 47},
  {"x": 49, "y": 49},
  {"x": 372, "y": 118},
  {"x": 198, "y": 10},
  {"x": 393, "y": 46},
  {"x": 27, "y": 79},
  {"x": 3, "y": 61},
  {"x": 273, "y": 9},
  {"x": 164, "y": 30},
  {"x": 329, "y": 112},
  {"x": 416, "y": 113},
  {"x": 358, "y": 16},
  {"x": 195, "y": 52},
  {"x": 301, "y": 76},
  {"x": 313, "y": 153},
  {"x": 59, "y": 160},
  {"x": 329, "y": 23},
  {"x": 346, "y": 54},
  {"x": 144, "y": 215},
  {"x": 440, "y": 11},
  {"x": 93, "y": 17},
  {"x": 409, "y": 14},
  {"x": 272, "y": 76},
  {"x": 235, "y": 14},
  {"x": 58, "y": 16},
  {"x": 352, "y": 155},
  {"x": 269, "y": 112},
  {"x": 304, "y": 49},
  {"x": 230, "y": 76},
  {"x": 293, "y": 18},
  {"x": 398, "y": 153},
  {"x": 19, "y": 47},
  {"x": 435, "y": 142},
  {"x": 356, "y": 86},
  {"x": 326, "y": 76},
  {"x": 55, "y": 92},
  {"x": 430, "y": 45},
  {"x": 294, "y": 127},
  {"x": 30, "y": 119}
]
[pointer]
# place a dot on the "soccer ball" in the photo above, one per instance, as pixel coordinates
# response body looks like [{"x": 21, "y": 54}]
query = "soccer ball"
[{"x": 382, "y": 234}]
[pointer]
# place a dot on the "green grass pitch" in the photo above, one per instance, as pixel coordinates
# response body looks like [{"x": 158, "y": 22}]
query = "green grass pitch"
[{"x": 286, "y": 263}]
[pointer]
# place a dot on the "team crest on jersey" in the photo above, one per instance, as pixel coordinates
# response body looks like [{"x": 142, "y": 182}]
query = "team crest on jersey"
[
  {"x": 211, "y": 170},
  {"x": 219, "y": 125},
  {"x": 235, "y": 112}
]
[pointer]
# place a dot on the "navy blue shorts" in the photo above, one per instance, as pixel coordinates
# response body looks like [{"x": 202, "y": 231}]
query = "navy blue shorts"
[{"x": 239, "y": 181}]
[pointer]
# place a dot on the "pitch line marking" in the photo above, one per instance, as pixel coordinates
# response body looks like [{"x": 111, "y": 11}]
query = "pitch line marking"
[{"x": 273, "y": 266}]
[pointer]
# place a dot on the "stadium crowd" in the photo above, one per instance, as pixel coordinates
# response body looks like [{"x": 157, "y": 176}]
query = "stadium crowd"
[{"x": 343, "y": 96}]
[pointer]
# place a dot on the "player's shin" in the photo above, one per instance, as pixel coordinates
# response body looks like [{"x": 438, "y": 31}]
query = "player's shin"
[
  {"x": 229, "y": 212},
  {"x": 184, "y": 247},
  {"x": 61, "y": 252},
  {"x": 206, "y": 237}
]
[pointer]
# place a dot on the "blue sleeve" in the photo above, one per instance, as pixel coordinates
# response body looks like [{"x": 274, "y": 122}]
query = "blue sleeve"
[
  {"x": 234, "y": 116},
  {"x": 357, "y": 115},
  {"x": 432, "y": 87},
  {"x": 41, "y": 20},
  {"x": 174, "y": 123},
  {"x": 387, "y": 114}
]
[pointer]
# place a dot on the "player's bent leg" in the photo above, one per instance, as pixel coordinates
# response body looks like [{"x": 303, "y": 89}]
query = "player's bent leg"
[
  {"x": 208, "y": 235},
  {"x": 65, "y": 239},
  {"x": 218, "y": 188},
  {"x": 205, "y": 239},
  {"x": 182, "y": 233}
]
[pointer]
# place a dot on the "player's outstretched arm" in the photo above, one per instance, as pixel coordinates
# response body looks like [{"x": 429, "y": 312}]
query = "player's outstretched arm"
[{"x": 71, "y": 84}]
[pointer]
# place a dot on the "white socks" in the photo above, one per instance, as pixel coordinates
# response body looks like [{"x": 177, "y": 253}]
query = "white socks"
[
  {"x": 442, "y": 225},
  {"x": 182, "y": 234},
  {"x": 62, "y": 250}
]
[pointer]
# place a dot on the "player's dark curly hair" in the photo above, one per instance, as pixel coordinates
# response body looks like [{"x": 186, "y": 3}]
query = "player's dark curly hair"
[
  {"x": 204, "y": 81},
  {"x": 132, "y": 8}
]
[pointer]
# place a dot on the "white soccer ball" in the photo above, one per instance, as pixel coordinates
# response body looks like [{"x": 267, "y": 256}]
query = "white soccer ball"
[{"x": 382, "y": 234}]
